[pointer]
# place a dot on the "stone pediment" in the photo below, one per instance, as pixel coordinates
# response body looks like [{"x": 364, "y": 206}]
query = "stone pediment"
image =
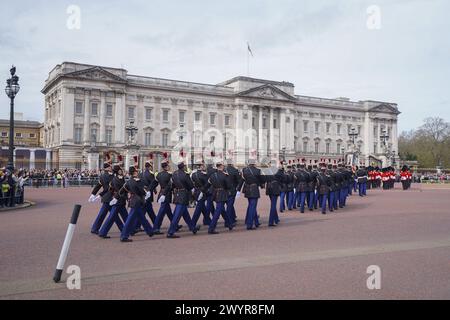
[
  {"x": 385, "y": 108},
  {"x": 96, "y": 73},
  {"x": 266, "y": 91}
]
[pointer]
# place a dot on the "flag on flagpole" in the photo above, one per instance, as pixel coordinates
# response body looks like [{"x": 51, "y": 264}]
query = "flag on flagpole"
[{"x": 249, "y": 49}]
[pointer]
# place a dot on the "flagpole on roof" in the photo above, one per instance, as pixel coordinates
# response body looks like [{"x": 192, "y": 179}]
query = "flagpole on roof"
[{"x": 249, "y": 52}]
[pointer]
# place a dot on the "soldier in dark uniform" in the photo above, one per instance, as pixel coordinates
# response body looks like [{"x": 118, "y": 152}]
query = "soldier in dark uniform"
[
  {"x": 163, "y": 179},
  {"x": 283, "y": 190},
  {"x": 148, "y": 176},
  {"x": 182, "y": 191},
  {"x": 330, "y": 173},
  {"x": 136, "y": 189},
  {"x": 201, "y": 186},
  {"x": 290, "y": 179},
  {"x": 342, "y": 181},
  {"x": 250, "y": 184},
  {"x": 312, "y": 197},
  {"x": 361, "y": 175},
  {"x": 234, "y": 178},
  {"x": 273, "y": 178},
  {"x": 323, "y": 187},
  {"x": 302, "y": 187},
  {"x": 118, "y": 204},
  {"x": 221, "y": 186},
  {"x": 105, "y": 195},
  {"x": 209, "y": 202}
]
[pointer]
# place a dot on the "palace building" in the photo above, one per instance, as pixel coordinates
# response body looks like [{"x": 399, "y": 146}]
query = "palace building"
[{"x": 93, "y": 113}]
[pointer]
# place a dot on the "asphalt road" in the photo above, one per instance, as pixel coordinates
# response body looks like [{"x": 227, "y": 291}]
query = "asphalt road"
[{"x": 308, "y": 256}]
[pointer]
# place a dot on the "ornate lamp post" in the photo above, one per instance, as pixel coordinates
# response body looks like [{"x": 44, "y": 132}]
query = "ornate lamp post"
[
  {"x": 12, "y": 89},
  {"x": 131, "y": 129},
  {"x": 283, "y": 152},
  {"x": 131, "y": 146},
  {"x": 353, "y": 134}
]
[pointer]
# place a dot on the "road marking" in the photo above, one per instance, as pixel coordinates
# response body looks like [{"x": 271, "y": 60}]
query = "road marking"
[{"x": 45, "y": 284}]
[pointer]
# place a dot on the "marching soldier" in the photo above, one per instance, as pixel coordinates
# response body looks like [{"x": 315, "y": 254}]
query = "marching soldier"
[
  {"x": 290, "y": 179},
  {"x": 234, "y": 178},
  {"x": 221, "y": 187},
  {"x": 138, "y": 195},
  {"x": 118, "y": 204},
  {"x": 105, "y": 195},
  {"x": 147, "y": 177},
  {"x": 312, "y": 204},
  {"x": 209, "y": 202},
  {"x": 250, "y": 184},
  {"x": 163, "y": 179},
  {"x": 273, "y": 181},
  {"x": 323, "y": 187},
  {"x": 302, "y": 185},
  {"x": 339, "y": 180},
  {"x": 182, "y": 190},
  {"x": 283, "y": 190},
  {"x": 361, "y": 175},
  {"x": 201, "y": 186},
  {"x": 404, "y": 177},
  {"x": 333, "y": 189}
]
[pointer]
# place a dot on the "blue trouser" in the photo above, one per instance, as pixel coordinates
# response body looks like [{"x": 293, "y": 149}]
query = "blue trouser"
[
  {"x": 220, "y": 211},
  {"x": 273, "y": 216},
  {"x": 282, "y": 201},
  {"x": 311, "y": 200},
  {"x": 323, "y": 202},
  {"x": 231, "y": 212},
  {"x": 362, "y": 188},
  {"x": 180, "y": 211},
  {"x": 200, "y": 208},
  {"x": 136, "y": 213},
  {"x": 331, "y": 200},
  {"x": 290, "y": 200},
  {"x": 164, "y": 209},
  {"x": 337, "y": 195},
  {"x": 296, "y": 200},
  {"x": 114, "y": 218},
  {"x": 149, "y": 210},
  {"x": 100, "y": 217},
  {"x": 355, "y": 185},
  {"x": 251, "y": 216},
  {"x": 302, "y": 198},
  {"x": 342, "y": 196},
  {"x": 210, "y": 205}
]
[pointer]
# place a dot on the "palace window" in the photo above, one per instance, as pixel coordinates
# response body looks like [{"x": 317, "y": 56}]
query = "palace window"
[
  {"x": 327, "y": 147},
  {"x": 305, "y": 126},
  {"x": 18, "y": 134},
  {"x": 375, "y": 147},
  {"x": 338, "y": 148},
  {"x": 94, "y": 134},
  {"x": 316, "y": 147},
  {"x": 328, "y": 127},
  {"x": 148, "y": 139},
  {"x": 131, "y": 112},
  {"x": 316, "y": 127},
  {"x": 212, "y": 119},
  {"x": 338, "y": 128},
  {"x": 305, "y": 146},
  {"x": 198, "y": 116},
  {"x": 148, "y": 114},
  {"x": 109, "y": 110},
  {"x": 4, "y": 134},
  {"x": 227, "y": 120},
  {"x": 165, "y": 115},
  {"x": 275, "y": 124},
  {"x": 78, "y": 108},
  {"x": 109, "y": 133},
  {"x": 77, "y": 135},
  {"x": 181, "y": 116},
  {"x": 165, "y": 139},
  {"x": 32, "y": 135},
  {"x": 94, "y": 109}
]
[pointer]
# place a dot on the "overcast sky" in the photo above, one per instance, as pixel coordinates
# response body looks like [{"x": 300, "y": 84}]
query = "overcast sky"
[{"x": 324, "y": 47}]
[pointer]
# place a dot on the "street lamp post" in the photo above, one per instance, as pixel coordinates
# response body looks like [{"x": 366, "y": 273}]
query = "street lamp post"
[
  {"x": 12, "y": 88},
  {"x": 353, "y": 134},
  {"x": 284, "y": 154}
]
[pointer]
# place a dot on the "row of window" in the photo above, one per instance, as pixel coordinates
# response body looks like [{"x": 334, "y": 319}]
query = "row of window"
[
  {"x": 328, "y": 149},
  {"x": 19, "y": 135}
]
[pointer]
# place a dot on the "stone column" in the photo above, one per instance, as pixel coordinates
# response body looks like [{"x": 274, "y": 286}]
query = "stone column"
[
  {"x": 282, "y": 124},
  {"x": 87, "y": 115},
  {"x": 48, "y": 159},
  {"x": 102, "y": 117},
  {"x": 32, "y": 158},
  {"x": 119, "y": 119},
  {"x": 261, "y": 147}
]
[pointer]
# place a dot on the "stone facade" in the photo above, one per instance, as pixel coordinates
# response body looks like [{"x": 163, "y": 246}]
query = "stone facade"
[{"x": 87, "y": 110}]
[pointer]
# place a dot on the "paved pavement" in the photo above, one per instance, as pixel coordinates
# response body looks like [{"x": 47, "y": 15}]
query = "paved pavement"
[{"x": 308, "y": 256}]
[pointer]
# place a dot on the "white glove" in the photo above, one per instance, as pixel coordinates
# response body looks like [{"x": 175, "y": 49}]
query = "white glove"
[
  {"x": 193, "y": 190},
  {"x": 295, "y": 190},
  {"x": 200, "y": 196},
  {"x": 238, "y": 194},
  {"x": 162, "y": 199},
  {"x": 148, "y": 195},
  {"x": 113, "y": 202},
  {"x": 96, "y": 198},
  {"x": 91, "y": 198}
]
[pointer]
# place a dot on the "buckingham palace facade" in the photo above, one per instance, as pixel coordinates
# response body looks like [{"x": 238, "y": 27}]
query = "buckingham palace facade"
[{"x": 94, "y": 113}]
